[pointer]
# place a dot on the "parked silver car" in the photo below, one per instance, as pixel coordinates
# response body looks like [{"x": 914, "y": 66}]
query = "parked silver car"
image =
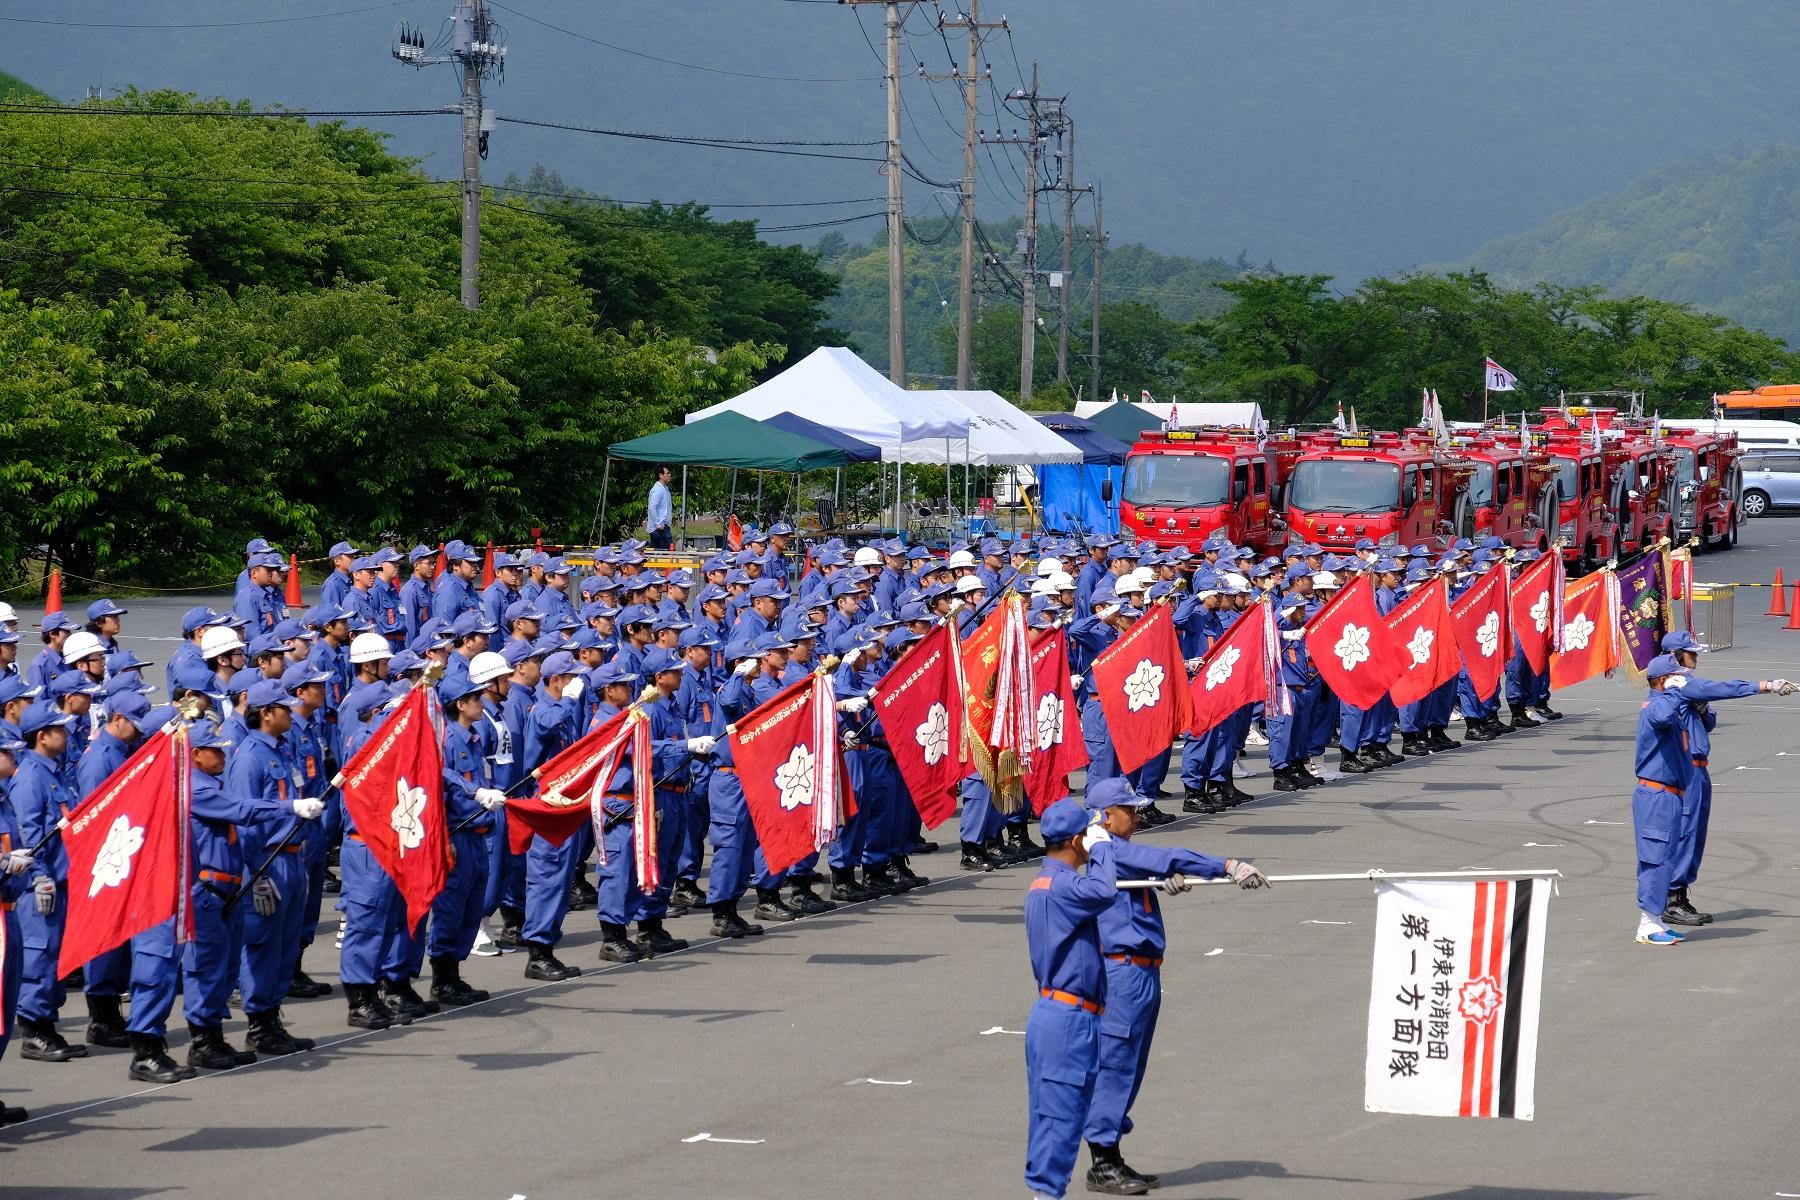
[{"x": 1771, "y": 481}]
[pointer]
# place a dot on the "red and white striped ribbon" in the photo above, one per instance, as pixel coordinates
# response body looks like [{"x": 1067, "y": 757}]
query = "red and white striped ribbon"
[
  {"x": 643, "y": 791},
  {"x": 826, "y": 801}
]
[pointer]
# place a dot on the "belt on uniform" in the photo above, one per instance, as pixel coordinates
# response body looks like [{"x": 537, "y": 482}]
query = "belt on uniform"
[
  {"x": 1658, "y": 786},
  {"x": 292, "y": 848},
  {"x": 6, "y": 906},
  {"x": 669, "y": 787},
  {"x": 1136, "y": 960},
  {"x": 726, "y": 770},
  {"x": 353, "y": 835},
  {"x": 1699, "y": 762},
  {"x": 220, "y": 877},
  {"x": 1072, "y": 1000},
  {"x": 481, "y": 829}
]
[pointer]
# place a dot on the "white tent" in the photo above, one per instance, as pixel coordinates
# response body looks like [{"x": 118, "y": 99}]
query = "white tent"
[
  {"x": 1000, "y": 433},
  {"x": 833, "y": 387},
  {"x": 1187, "y": 416}
]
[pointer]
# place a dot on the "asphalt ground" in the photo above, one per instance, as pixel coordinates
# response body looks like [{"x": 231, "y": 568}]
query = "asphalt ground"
[{"x": 875, "y": 1052}]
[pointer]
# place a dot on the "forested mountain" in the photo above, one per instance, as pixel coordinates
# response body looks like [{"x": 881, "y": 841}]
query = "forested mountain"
[{"x": 1719, "y": 232}]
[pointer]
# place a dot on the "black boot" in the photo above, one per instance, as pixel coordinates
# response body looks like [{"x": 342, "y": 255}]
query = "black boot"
[
  {"x": 1020, "y": 837},
  {"x": 770, "y": 908},
  {"x": 1523, "y": 719},
  {"x": 1385, "y": 756},
  {"x": 727, "y": 923},
  {"x": 876, "y": 879},
  {"x": 1001, "y": 854},
  {"x": 1285, "y": 780},
  {"x": 686, "y": 896},
  {"x": 1219, "y": 795},
  {"x": 208, "y": 1050},
  {"x": 1108, "y": 1174},
  {"x": 845, "y": 888},
  {"x": 1545, "y": 712},
  {"x": 447, "y": 986},
  {"x": 585, "y": 891},
  {"x": 1437, "y": 739},
  {"x": 43, "y": 1044},
  {"x": 150, "y": 1061},
  {"x": 404, "y": 1002},
  {"x": 1413, "y": 745},
  {"x": 1152, "y": 817},
  {"x": 615, "y": 946},
  {"x": 653, "y": 940},
  {"x": 512, "y": 921},
  {"x": 366, "y": 1012},
  {"x": 541, "y": 963},
  {"x": 269, "y": 1036},
  {"x": 1350, "y": 763},
  {"x": 902, "y": 873},
  {"x": 1151, "y": 1180},
  {"x": 973, "y": 859},
  {"x": 803, "y": 900},
  {"x": 12, "y": 1114},
  {"x": 1231, "y": 794},
  {"x": 304, "y": 986},
  {"x": 1202, "y": 800},
  {"x": 1478, "y": 730},
  {"x": 1681, "y": 911},
  {"x": 1304, "y": 776},
  {"x": 106, "y": 1024}
]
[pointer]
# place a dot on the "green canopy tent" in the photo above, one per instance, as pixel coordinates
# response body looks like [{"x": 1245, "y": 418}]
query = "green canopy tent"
[
  {"x": 725, "y": 439},
  {"x": 1124, "y": 421}
]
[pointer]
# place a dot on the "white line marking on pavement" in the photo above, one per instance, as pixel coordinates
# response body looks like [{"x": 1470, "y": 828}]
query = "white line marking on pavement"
[
  {"x": 1603, "y": 822},
  {"x": 997, "y": 1029},
  {"x": 1544, "y": 845},
  {"x": 882, "y": 1082},
  {"x": 707, "y": 1137},
  {"x": 1216, "y": 950},
  {"x": 1312, "y": 922},
  {"x": 1753, "y": 768}
]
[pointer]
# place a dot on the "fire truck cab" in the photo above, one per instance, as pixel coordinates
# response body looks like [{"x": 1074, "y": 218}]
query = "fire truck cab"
[
  {"x": 1511, "y": 492},
  {"x": 1641, "y": 486},
  {"x": 1709, "y": 486},
  {"x": 1379, "y": 485},
  {"x": 1183, "y": 485},
  {"x": 1585, "y": 522}
]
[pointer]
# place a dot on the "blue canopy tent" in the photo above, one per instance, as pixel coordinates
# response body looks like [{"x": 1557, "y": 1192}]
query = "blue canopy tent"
[
  {"x": 857, "y": 450},
  {"x": 1069, "y": 494}
]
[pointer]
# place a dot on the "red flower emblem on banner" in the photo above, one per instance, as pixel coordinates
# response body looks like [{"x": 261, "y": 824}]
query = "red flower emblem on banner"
[{"x": 1479, "y": 1000}]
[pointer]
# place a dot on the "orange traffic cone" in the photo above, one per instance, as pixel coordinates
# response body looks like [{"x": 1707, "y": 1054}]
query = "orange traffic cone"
[
  {"x": 294, "y": 599},
  {"x": 439, "y": 573},
  {"x": 1778, "y": 606},
  {"x": 487, "y": 566},
  {"x": 1794, "y": 617},
  {"x": 53, "y": 597}
]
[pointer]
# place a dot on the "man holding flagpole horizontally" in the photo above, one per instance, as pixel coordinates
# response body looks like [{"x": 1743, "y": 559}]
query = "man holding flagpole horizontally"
[{"x": 1132, "y": 941}]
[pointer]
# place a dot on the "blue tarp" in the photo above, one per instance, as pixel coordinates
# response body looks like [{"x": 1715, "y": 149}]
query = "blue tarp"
[
  {"x": 859, "y": 451},
  {"x": 1069, "y": 496}
]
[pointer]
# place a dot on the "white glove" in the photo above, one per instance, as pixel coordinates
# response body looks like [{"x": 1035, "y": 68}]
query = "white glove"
[
  {"x": 854, "y": 704},
  {"x": 1293, "y": 635},
  {"x": 1107, "y": 612},
  {"x": 490, "y": 798},
  {"x": 1176, "y": 883},
  {"x": 264, "y": 897},
  {"x": 1675, "y": 681},
  {"x": 572, "y": 690},
  {"x": 1075, "y": 680},
  {"x": 44, "y": 892},
  {"x": 849, "y": 660},
  {"x": 1192, "y": 664},
  {"x": 747, "y": 667},
  {"x": 16, "y": 863},
  {"x": 1096, "y": 833},
  {"x": 308, "y": 809},
  {"x": 1246, "y": 876},
  {"x": 956, "y": 603},
  {"x": 1781, "y": 687},
  {"x": 701, "y": 745}
]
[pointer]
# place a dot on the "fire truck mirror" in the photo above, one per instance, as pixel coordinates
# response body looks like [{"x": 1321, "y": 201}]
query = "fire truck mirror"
[
  {"x": 1239, "y": 491},
  {"x": 1106, "y": 491}
]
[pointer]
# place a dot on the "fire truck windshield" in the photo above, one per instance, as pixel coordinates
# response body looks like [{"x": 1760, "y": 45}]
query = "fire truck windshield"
[
  {"x": 1481, "y": 485},
  {"x": 1178, "y": 480},
  {"x": 1567, "y": 474},
  {"x": 1684, "y": 465},
  {"x": 1336, "y": 485}
]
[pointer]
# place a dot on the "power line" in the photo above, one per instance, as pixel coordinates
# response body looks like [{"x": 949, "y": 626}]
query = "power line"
[
  {"x": 63, "y": 110},
  {"x": 342, "y": 12},
  {"x": 772, "y": 146},
  {"x": 687, "y": 65}
]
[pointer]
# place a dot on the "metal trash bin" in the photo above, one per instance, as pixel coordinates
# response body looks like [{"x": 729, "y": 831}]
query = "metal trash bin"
[{"x": 1715, "y": 610}]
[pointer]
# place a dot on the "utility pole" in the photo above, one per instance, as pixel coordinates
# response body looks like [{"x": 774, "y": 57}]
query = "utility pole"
[
  {"x": 970, "y": 78},
  {"x": 1069, "y": 191},
  {"x": 896, "y": 215},
  {"x": 478, "y": 54},
  {"x": 1028, "y": 326},
  {"x": 1099, "y": 249}
]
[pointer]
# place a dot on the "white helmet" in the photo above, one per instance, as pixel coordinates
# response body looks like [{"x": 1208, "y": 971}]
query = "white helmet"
[
  {"x": 866, "y": 556},
  {"x": 1324, "y": 579},
  {"x": 369, "y": 647},
  {"x": 81, "y": 645},
  {"x": 970, "y": 583},
  {"x": 7, "y": 615},
  {"x": 217, "y": 640},
  {"x": 1062, "y": 581},
  {"x": 1237, "y": 581},
  {"x": 1049, "y": 566},
  {"x": 962, "y": 558},
  {"x": 1127, "y": 583},
  {"x": 1145, "y": 576},
  {"x": 487, "y": 667}
]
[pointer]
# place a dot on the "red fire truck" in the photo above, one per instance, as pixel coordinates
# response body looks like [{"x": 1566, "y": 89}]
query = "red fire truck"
[
  {"x": 1511, "y": 493},
  {"x": 1380, "y": 485},
  {"x": 1182, "y": 486},
  {"x": 1639, "y": 485},
  {"x": 1586, "y": 524},
  {"x": 1709, "y": 484}
]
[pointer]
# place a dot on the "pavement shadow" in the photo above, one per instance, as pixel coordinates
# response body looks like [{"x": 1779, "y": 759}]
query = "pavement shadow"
[
  {"x": 869, "y": 960},
  {"x": 1220, "y": 1172},
  {"x": 1711, "y": 933},
  {"x": 1484, "y": 1192},
  {"x": 521, "y": 1061},
  {"x": 1414, "y": 805},
  {"x": 254, "y": 1137},
  {"x": 1270, "y": 830},
  {"x": 19, "y": 1191}
]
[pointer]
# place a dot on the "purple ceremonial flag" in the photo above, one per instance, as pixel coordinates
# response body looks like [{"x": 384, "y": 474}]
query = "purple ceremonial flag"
[{"x": 1643, "y": 611}]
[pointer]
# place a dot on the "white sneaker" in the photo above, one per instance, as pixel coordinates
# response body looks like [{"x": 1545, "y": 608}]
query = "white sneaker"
[
  {"x": 1241, "y": 769},
  {"x": 337, "y": 940},
  {"x": 484, "y": 945},
  {"x": 1317, "y": 767},
  {"x": 1256, "y": 737},
  {"x": 1456, "y": 714}
]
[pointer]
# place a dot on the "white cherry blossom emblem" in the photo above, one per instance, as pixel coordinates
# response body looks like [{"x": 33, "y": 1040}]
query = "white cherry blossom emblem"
[
  {"x": 1143, "y": 687},
  {"x": 1420, "y": 646},
  {"x": 1488, "y": 636},
  {"x": 1352, "y": 648},
  {"x": 1540, "y": 612},
  {"x": 1049, "y": 720},
  {"x": 795, "y": 779},
  {"x": 409, "y": 804},
  {"x": 1219, "y": 671},
  {"x": 1577, "y": 632},
  {"x": 933, "y": 735},
  {"x": 113, "y": 865}
]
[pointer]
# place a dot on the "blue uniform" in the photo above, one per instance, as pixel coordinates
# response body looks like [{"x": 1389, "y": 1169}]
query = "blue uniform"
[
  {"x": 550, "y": 871},
  {"x": 14, "y": 890},
  {"x": 378, "y": 946},
  {"x": 415, "y": 605},
  {"x": 456, "y": 913},
  {"x": 454, "y": 597},
  {"x": 109, "y": 974},
  {"x": 1663, "y": 768},
  {"x": 1062, "y": 1035},
  {"x": 1697, "y": 723},
  {"x": 335, "y": 587},
  {"x": 261, "y": 769}
]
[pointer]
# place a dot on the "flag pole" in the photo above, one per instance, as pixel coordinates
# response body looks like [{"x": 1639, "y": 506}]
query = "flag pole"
[{"x": 1373, "y": 875}]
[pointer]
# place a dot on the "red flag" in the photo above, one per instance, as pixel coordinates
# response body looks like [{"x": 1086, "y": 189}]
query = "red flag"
[
  {"x": 1590, "y": 632},
  {"x": 1060, "y": 749},
  {"x": 128, "y": 853},
  {"x": 1352, "y": 647},
  {"x": 920, "y": 706},
  {"x": 1536, "y": 609},
  {"x": 570, "y": 788},
  {"x": 1483, "y": 632},
  {"x": 734, "y": 534},
  {"x": 1142, "y": 686},
  {"x": 1002, "y": 712},
  {"x": 1240, "y": 668},
  {"x": 792, "y": 771},
  {"x": 1426, "y": 638},
  {"x": 394, "y": 791}
]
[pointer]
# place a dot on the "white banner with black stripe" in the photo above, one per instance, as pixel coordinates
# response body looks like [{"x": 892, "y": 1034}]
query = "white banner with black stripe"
[{"x": 1453, "y": 1009}]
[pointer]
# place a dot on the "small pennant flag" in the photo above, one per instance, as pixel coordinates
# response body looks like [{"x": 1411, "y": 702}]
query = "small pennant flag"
[{"x": 1499, "y": 379}]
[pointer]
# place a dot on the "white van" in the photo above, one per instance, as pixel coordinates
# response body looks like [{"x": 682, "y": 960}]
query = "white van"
[{"x": 1752, "y": 435}]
